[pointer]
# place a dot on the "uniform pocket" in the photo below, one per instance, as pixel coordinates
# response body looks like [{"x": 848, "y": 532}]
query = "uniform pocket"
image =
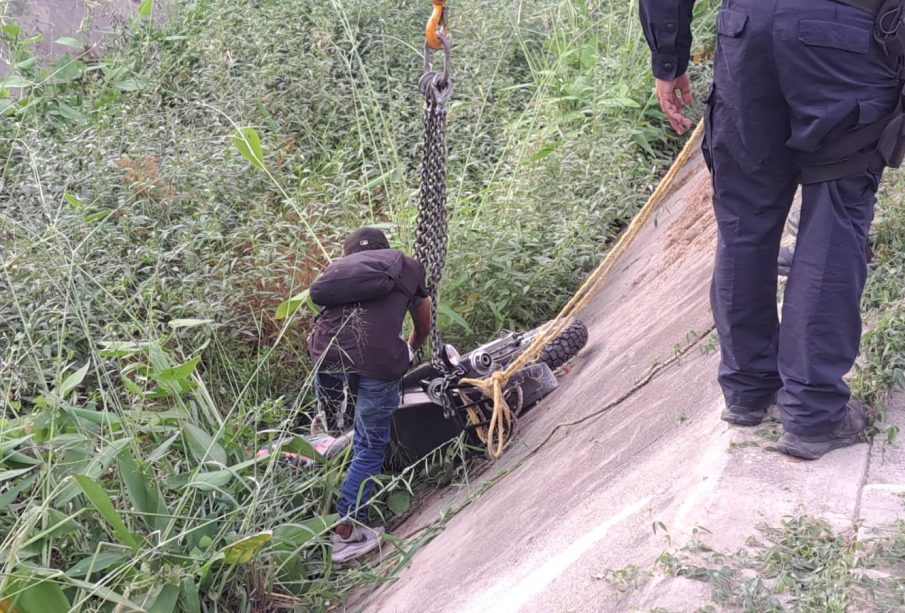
[
  {"x": 731, "y": 23},
  {"x": 833, "y": 35}
]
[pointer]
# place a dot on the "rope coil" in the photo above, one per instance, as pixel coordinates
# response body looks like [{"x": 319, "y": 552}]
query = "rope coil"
[{"x": 492, "y": 387}]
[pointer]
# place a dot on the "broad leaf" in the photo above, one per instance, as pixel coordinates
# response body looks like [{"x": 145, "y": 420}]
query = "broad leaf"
[
  {"x": 145, "y": 9},
  {"x": 288, "y": 307},
  {"x": 191, "y": 601},
  {"x": 119, "y": 349},
  {"x": 202, "y": 445},
  {"x": 106, "y": 593},
  {"x": 68, "y": 70},
  {"x": 297, "y": 535},
  {"x": 6, "y": 475},
  {"x": 101, "y": 501},
  {"x": 76, "y": 116},
  {"x": 101, "y": 418},
  {"x": 302, "y": 446},
  {"x": 42, "y": 596},
  {"x": 9, "y": 445},
  {"x": 12, "y": 29},
  {"x": 162, "y": 449},
  {"x": 248, "y": 143},
  {"x": 99, "y": 215},
  {"x": 182, "y": 371},
  {"x": 132, "y": 386},
  {"x": 68, "y": 42},
  {"x": 210, "y": 480},
  {"x": 399, "y": 502},
  {"x": 166, "y": 600},
  {"x": 189, "y": 323},
  {"x": 96, "y": 563},
  {"x": 9, "y": 496},
  {"x": 136, "y": 485},
  {"x": 244, "y": 549},
  {"x": 72, "y": 381},
  {"x": 15, "y": 82},
  {"x": 144, "y": 492},
  {"x": 447, "y": 311},
  {"x": 129, "y": 85},
  {"x": 99, "y": 463}
]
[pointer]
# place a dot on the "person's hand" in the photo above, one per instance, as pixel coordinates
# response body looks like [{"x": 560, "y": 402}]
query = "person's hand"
[{"x": 674, "y": 96}]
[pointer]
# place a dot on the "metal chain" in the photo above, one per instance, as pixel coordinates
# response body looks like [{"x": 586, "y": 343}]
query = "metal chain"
[{"x": 431, "y": 235}]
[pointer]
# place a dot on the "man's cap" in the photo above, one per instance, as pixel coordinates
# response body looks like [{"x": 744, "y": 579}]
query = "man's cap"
[{"x": 365, "y": 239}]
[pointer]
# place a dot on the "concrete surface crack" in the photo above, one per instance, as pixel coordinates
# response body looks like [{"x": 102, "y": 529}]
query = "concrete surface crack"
[
  {"x": 638, "y": 386},
  {"x": 860, "y": 496}
]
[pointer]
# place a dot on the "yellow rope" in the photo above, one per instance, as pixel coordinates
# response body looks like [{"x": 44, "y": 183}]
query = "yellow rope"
[{"x": 493, "y": 386}]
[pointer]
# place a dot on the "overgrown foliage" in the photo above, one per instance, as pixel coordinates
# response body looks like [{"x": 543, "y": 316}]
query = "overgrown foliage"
[
  {"x": 801, "y": 565},
  {"x": 882, "y": 368},
  {"x": 158, "y": 206}
]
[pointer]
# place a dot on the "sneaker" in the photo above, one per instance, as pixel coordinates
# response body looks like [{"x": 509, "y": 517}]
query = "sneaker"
[
  {"x": 738, "y": 415},
  {"x": 784, "y": 261},
  {"x": 362, "y": 540},
  {"x": 813, "y": 447}
]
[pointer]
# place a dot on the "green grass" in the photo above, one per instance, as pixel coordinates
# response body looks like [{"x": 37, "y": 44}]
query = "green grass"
[
  {"x": 881, "y": 370},
  {"x": 800, "y": 565},
  {"x": 143, "y": 259}
]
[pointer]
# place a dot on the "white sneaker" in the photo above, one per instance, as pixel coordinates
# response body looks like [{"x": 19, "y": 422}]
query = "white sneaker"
[{"x": 362, "y": 540}]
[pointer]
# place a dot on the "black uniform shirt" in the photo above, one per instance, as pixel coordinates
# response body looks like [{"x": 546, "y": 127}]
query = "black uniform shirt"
[
  {"x": 364, "y": 338},
  {"x": 667, "y": 28}
]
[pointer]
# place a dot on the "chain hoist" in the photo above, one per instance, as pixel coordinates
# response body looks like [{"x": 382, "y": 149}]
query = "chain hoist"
[{"x": 430, "y": 235}]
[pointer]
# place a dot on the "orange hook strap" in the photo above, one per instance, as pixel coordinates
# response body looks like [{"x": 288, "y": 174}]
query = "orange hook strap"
[{"x": 436, "y": 24}]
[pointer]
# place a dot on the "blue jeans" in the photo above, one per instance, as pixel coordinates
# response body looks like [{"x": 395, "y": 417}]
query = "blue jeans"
[{"x": 374, "y": 405}]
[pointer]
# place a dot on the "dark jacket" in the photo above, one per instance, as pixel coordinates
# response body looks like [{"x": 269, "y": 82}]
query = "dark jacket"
[
  {"x": 667, "y": 28},
  {"x": 365, "y": 338}
]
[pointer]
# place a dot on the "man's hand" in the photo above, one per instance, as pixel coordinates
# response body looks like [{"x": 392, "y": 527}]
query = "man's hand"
[{"x": 674, "y": 96}]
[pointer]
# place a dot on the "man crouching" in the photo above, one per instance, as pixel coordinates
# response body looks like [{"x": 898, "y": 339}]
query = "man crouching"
[{"x": 357, "y": 347}]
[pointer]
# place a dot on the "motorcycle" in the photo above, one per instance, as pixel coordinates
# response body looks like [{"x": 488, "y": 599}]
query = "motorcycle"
[{"x": 436, "y": 407}]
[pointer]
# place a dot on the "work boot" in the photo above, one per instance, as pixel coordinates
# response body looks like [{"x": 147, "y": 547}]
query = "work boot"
[
  {"x": 739, "y": 415},
  {"x": 813, "y": 447},
  {"x": 362, "y": 540}
]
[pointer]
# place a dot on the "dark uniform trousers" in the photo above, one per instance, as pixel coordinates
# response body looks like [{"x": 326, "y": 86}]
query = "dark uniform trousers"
[{"x": 786, "y": 73}]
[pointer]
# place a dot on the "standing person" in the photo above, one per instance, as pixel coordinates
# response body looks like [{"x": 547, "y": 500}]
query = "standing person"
[
  {"x": 357, "y": 347},
  {"x": 804, "y": 92}
]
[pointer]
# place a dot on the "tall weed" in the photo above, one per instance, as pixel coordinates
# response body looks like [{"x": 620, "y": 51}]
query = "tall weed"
[{"x": 143, "y": 259}]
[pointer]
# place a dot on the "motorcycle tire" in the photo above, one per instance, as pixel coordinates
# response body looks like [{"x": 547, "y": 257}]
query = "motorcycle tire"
[{"x": 565, "y": 346}]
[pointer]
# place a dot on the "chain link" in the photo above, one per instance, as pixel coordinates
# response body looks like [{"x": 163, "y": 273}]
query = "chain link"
[{"x": 431, "y": 232}]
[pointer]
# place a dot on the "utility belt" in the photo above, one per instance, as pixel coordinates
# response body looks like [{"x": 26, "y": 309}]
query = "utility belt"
[{"x": 872, "y": 146}]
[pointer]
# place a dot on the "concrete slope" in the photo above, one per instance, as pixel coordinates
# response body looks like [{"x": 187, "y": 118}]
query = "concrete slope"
[
  {"x": 540, "y": 538},
  {"x": 88, "y": 21}
]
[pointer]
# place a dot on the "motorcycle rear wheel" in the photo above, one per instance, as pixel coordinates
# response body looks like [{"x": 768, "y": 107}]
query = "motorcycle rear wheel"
[{"x": 565, "y": 346}]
